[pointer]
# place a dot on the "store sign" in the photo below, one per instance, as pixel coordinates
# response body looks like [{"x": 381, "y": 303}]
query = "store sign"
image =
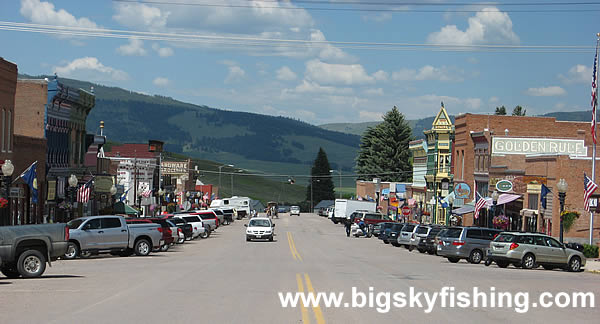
[
  {"x": 173, "y": 167},
  {"x": 103, "y": 183},
  {"x": 462, "y": 190},
  {"x": 51, "y": 190},
  {"x": 504, "y": 186},
  {"x": 511, "y": 145}
]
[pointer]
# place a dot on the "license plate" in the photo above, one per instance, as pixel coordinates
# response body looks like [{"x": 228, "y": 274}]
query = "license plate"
[{"x": 258, "y": 236}]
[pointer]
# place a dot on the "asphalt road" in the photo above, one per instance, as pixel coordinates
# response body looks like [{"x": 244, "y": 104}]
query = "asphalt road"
[{"x": 224, "y": 279}]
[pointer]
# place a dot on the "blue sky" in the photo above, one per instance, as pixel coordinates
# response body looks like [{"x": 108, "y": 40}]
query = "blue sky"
[{"x": 328, "y": 81}]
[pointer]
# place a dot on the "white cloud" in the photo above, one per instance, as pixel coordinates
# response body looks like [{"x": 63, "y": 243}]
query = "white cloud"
[
  {"x": 472, "y": 103},
  {"x": 493, "y": 100},
  {"x": 546, "y": 91},
  {"x": 139, "y": 15},
  {"x": 161, "y": 82},
  {"x": 312, "y": 87},
  {"x": 488, "y": 26},
  {"x": 235, "y": 74},
  {"x": 42, "y": 12},
  {"x": 328, "y": 52},
  {"x": 89, "y": 68},
  {"x": 162, "y": 51},
  {"x": 577, "y": 74},
  {"x": 381, "y": 75},
  {"x": 286, "y": 74},
  {"x": 374, "y": 92},
  {"x": 429, "y": 72},
  {"x": 347, "y": 74},
  {"x": 135, "y": 47},
  {"x": 370, "y": 115}
]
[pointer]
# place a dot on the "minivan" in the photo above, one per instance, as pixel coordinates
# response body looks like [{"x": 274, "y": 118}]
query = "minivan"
[{"x": 468, "y": 243}]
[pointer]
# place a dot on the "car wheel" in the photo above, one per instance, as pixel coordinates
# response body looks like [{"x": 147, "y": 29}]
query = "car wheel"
[
  {"x": 207, "y": 230},
  {"x": 204, "y": 235},
  {"x": 395, "y": 244},
  {"x": 502, "y": 264},
  {"x": 271, "y": 238},
  {"x": 85, "y": 254},
  {"x": 410, "y": 248},
  {"x": 528, "y": 261},
  {"x": 10, "y": 273},
  {"x": 335, "y": 222},
  {"x": 31, "y": 264},
  {"x": 181, "y": 241},
  {"x": 548, "y": 267},
  {"x": 431, "y": 252},
  {"x": 72, "y": 251},
  {"x": 476, "y": 256},
  {"x": 164, "y": 248},
  {"x": 453, "y": 260},
  {"x": 575, "y": 264},
  {"x": 421, "y": 250},
  {"x": 386, "y": 242},
  {"x": 142, "y": 247}
]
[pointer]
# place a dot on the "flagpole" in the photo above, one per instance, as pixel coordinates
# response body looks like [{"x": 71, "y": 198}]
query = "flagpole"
[{"x": 594, "y": 140}]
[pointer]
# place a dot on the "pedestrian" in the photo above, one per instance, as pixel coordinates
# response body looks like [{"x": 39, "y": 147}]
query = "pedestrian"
[{"x": 348, "y": 224}]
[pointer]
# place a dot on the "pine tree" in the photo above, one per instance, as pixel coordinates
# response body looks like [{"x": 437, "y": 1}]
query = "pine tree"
[
  {"x": 384, "y": 149},
  {"x": 500, "y": 111},
  {"x": 322, "y": 188},
  {"x": 519, "y": 111}
]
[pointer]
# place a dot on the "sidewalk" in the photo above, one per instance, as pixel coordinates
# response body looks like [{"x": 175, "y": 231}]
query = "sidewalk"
[{"x": 592, "y": 265}]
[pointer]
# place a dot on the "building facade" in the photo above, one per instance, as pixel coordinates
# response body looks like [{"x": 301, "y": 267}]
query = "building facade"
[{"x": 8, "y": 84}]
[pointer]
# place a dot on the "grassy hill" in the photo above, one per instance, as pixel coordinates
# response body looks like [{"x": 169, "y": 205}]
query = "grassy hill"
[{"x": 247, "y": 140}]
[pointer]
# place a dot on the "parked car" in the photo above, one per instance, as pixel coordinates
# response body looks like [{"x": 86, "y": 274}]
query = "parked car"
[
  {"x": 468, "y": 243},
  {"x": 295, "y": 210},
  {"x": 260, "y": 228},
  {"x": 198, "y": 228},
  {"x": 530, "y": 250},
  {"x": 370, "y": 218},
  {"x": 384, "y": 230},
  {"x": 392, "y": 237},
  {"x": 229, "y": 214},
  {"x": 111, "y": 234},
  {"x": 167, "y": 232},
  {"x": 209, "y": 218},
  {"x": 220, "y": 216},
  {"x": 407, "y": 236},
  {"x": 379, "y": 228},
  {"x": 427, "y": 241},
  {"x": 188, "y": 231},
  {"x": 25, "y": 249}
]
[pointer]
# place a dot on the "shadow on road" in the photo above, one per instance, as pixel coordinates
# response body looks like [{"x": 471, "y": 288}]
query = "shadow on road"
[
  {"x": 5, "y": 282},
  {"x": 58, "y": 277}
]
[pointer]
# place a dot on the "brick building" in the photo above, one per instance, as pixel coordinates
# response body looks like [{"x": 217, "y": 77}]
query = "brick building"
[
  {"x": 528, "y": 152},
  {"x": 8, "y": 84}
]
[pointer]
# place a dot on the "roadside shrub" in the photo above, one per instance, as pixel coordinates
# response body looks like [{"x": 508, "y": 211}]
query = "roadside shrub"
[{"x": 590, "y": 251}]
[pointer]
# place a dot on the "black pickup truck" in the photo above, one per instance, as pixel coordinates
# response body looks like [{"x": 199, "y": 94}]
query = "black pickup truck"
[{"x": 25, "y": 249}]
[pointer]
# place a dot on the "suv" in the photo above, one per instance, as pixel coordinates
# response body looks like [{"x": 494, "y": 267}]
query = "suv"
[
  {"x": 530, "y": 250},
  {"x": 468, "y": 243},
  {"x": 384, "y": 230},
  {"x": 295, "y": 210},
  {"x": 370, "y": 218},
  {"x": 427, "y": 241},
  {"x": 394, "y": 231},
  {"x": 198, "y": 228},
  {"x": 260, "y": 228}
]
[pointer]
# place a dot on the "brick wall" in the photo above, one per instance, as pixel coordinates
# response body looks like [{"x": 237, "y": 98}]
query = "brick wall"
[
  {"x": 30, "y": 103},
  {"x": 28, "y": 150},
  {"x": 8, "y": 82}
]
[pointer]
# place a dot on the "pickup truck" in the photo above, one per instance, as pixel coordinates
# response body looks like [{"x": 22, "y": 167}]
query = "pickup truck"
[
  {"x": 111, "y": 234},
  {"x": 25, "y": 249}
]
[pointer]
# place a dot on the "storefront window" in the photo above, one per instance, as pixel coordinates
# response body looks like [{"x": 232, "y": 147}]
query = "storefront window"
[{"x": 532, "y": 201}]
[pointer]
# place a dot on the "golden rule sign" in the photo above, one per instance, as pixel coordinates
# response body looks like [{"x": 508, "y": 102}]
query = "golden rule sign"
[{"x": 513, "y": 145}]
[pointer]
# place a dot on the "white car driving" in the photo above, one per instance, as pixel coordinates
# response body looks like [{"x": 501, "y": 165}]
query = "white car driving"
[
  {"x": 260, "y": 228},
  {"x": 295, "y": 210}
]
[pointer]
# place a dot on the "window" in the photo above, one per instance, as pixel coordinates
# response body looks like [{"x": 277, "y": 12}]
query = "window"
[
  {"x": 3, "y": 129},
  {"x": 532, "y": 201},
  {"x": 453, "y": 232},
  {"x": 92, "y": 224},
  {"x": 505, "y": 238},
  {"x": 539, "y": 240},
  {"x": 552, "y": 242},
  {"x": 489, "y": 234},
  {"x": 111, "y": 222},
  {"x": 8, "y": 131},
  {"x": 525, "y": 239},
  {"x": 373, "y": 216},
  {"x": 474, "y": 233}
]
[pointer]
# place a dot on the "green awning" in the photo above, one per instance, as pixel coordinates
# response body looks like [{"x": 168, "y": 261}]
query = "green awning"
[{"x": 122, "y": 208}]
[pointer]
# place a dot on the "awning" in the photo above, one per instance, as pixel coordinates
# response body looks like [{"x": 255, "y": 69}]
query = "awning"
[
  {"x": 506, "y": 198},
  {"x": 468, "y": 208},
  {"x": 122, "y": 208}
]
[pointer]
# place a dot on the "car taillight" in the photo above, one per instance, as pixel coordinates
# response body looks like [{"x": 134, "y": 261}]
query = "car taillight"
[
  {"x": 159, "y": 229},
  {"x": 495, "y": 236},
  {"x": 179, "y": 231},
  {"x": 514, "y": 246},
  {"x": 458, "y": 243},
  {"x": 441, "y": 242},
  {"x": 169, "y": 232},
  {"x": 195, "y": 228},
  {"x": 66, "y": 233}
]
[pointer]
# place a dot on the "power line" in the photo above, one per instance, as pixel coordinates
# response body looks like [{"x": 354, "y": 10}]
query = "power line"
[
  {"x": 282, "y": 43},
  {"x": 390, "y": 3},
  {"x": 398, "y": 10}
]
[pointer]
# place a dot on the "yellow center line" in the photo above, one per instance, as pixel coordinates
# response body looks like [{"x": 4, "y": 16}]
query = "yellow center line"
[
  {"x": 317, "y": 308},
  {"x": 305, "y": 318},
  {"x": 293, "y": 249}
]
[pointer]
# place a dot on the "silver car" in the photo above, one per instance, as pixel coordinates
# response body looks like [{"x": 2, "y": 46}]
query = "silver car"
[
  {"x": 530, "y": 250},
  {"x": 407, "y": 236},
  {"x": 468, "y": 243}
]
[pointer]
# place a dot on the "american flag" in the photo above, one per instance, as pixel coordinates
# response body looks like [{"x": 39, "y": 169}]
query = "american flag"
[
  {"x": 83, "y": 193},
  {"x": 590, "y": 187},
  {"x": 594, "y": 99},
  {"x": 480, "y": 203}
]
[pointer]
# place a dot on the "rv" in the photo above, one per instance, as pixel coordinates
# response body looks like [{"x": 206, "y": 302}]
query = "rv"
[{"x": 241, "y": 205}]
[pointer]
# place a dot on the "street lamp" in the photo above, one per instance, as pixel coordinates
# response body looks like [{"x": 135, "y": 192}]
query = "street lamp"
[
  {"x": 220, "y": 167},
  {"x": 7, "y": 170},
  {"x": 161, "y": 193},
  {"x": 494, "y": 202},
  {"x": 340, "y": 173},
  {"x": 562, "y": 187},
  {"x": 72, "y": 185},
  {"x": 450, "y": 199},
  {"x": 311, "y": 193}
]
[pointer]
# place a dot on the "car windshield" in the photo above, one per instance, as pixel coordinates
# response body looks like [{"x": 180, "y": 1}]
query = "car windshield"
[
  {"x": 505, "y": 238},
  {"x": 453, "y": 232},
  {"x": 191, "y": 218},
  {"x": 397, "y": 227},
  {"x": 422, "y": 230},
  {"x": 259, "y": 223},
  {"x": 74, "y": 223},
  {"x": 408, "y": 228}
]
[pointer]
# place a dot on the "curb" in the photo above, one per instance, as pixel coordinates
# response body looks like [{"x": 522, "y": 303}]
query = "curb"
[{"x": 593, "y": 271}]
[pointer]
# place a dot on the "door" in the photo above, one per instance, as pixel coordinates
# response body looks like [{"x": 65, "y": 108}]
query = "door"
[
  {"x": 90, "y": 234},
  {"x": 541, "y": 250},
  {"x": 115, "y": 235},
  {"x": 557, "y": 254}
]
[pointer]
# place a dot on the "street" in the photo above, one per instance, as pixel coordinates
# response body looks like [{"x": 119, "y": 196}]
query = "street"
[{"x": 224, "y": 279}]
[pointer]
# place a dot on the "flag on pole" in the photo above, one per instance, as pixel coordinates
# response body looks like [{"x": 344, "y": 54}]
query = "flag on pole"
[
  {"x": 30, "y": 177},
  {"x": 83, "y": 193},
  {"x": 543, "y": 195},
  {"x": 590, "y": 187},
  {"x": 205, "y": 197},
  {"x": 594, "y": 99},
  {"x": 124, "y": 196},
  {"x": 480, "y": 203}
]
